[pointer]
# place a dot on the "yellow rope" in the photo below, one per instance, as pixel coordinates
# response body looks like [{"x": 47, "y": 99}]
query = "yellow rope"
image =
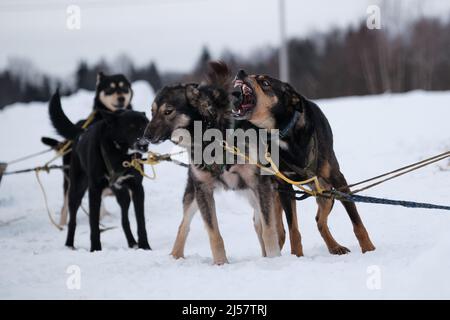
[
  {"x": 153, "y": 159},
  {"x": 275, "y": 171},
  {"x": 50, "y": 216},
  {"x": 138, "y": 165},
  {"x": 61, "y": 152}
]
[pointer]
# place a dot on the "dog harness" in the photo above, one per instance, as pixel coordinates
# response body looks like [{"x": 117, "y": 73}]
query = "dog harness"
[{"x": 115, "y": 178}]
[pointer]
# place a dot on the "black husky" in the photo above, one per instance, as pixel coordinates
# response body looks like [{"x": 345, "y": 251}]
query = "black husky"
[
  {"x": 96, "y": 164},
  {"x": 113, "y": 92},
  {"x": 179, "y": 107},
  {"x": 306, "y": 148}
]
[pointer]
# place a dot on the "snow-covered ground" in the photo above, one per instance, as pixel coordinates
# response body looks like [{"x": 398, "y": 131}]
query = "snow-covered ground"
[{"x": 372, "y": 135}]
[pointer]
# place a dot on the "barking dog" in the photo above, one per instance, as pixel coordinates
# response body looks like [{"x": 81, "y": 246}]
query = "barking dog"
[
  {"x": 96, "y": 164},
  {"x": 113, "y": 92},
  {"x": 306, "y": 142},
  {"x": 178, "y": 107}
]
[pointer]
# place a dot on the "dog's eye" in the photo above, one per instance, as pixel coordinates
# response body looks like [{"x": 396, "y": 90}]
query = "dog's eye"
[
  {"x": 266, "y": 83},
  {"x": 168, "y": 111},
  {"x": 109, "y": 90}
]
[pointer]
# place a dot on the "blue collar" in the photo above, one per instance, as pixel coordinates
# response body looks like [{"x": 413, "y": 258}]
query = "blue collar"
[{"x": 283, "y": 133}]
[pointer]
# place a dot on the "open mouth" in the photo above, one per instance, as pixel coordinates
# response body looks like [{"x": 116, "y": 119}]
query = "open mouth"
[{"x": 246, "y": 100}]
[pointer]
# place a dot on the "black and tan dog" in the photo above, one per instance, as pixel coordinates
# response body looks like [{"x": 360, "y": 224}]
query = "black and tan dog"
[
  {"x": 179, "y": 107},
  {"x": 112, "y": 93},
  {"x": 306, "y": 149},
  {"x": 98, "y": 153}
]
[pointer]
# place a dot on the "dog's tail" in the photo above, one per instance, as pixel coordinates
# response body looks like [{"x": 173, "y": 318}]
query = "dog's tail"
[
  {"x": 60, "y": 122},
  {"x": 50, "y": 142},
  {"x": 219, "y": 75}
]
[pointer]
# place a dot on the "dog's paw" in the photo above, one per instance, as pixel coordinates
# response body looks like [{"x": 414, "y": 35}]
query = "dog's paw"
[
  {"x": 144, "y": 246},
  {"x": 220, "y": 261},
  {"x": 367, "y": 248},
  {"x": 297, "y": 252},
  {"x": 339, "y": 250},
  {"x": 71, "y": 247},
  {"x": 132, "y": 245},
  {"x": 96, "y": 248},
  {"x": 177, "y": 255}
]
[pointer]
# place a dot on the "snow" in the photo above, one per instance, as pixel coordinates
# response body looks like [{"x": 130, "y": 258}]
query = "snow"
[{"x": 372, "y": 135}]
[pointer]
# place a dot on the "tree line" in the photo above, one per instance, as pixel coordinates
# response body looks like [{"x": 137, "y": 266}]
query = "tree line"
[{"x": 340, "y": 62}]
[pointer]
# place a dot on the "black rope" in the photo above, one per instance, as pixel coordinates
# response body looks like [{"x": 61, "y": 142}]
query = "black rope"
[{"x": 44, "y": 168}]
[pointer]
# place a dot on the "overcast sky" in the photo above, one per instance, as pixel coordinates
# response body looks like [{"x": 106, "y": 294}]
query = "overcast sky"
[{"x": 170, "y": 32}]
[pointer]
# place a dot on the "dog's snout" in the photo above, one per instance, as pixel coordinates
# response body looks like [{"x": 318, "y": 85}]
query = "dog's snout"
[
  {"x": 143, "y": 141},
  {"x": 142, "y": 144},
  {"x": 241, "y": 75},
  {"x": 121, "y": 99}
]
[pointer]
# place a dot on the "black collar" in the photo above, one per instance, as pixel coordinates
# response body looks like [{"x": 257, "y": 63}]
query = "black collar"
[{"x": 285, "y": 131}]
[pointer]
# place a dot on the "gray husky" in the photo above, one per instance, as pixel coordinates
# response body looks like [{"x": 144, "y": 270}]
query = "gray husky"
[{"x": 178, "y": 107}]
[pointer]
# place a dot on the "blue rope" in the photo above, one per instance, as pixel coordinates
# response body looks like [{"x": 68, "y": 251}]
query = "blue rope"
[
  {"x": 366, "y": 199},
  {"x": 301, "y": 195}
]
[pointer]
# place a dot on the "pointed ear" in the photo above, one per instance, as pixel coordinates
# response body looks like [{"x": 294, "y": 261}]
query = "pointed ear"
[
  {"x": 199, "y": 99},
  {"x": 109, "y": 117},
  {"x": 100, "y": 77},
  {"x": 292, "y": 98},
  {"x": 192, "y": 94}
]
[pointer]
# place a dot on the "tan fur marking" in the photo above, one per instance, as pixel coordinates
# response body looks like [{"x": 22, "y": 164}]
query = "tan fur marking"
[
  {"x": 294, "y": 233},
  {"x": 325, "y": 206},
  {"x": 261, "y": 116},
  {"x": 363, "y": 238},
  {"x": 111, "y": 101},
  {"x": 325, "y": 170},
  {"x": 183, "y": 230}
]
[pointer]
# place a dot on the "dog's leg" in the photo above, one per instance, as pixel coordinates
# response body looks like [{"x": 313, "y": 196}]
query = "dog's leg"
[
  {"x": 95, "y": 198},
  {"x": 75, "y": 195},
  {"x": 205, "y": 201},
  {"x": 279, "y": 220},
  {"x": 64, "y": 210},
  {"x": 325, "y": 206},
  {"x": 66, "y": 185},
  {"x": 269, "y": 223},
  {"x": 257, "y": 223},
  {"x": 123, "y": 198},
  {"x": 189, "y": 208},
  {"x": 138, "y": 202},
  {"x": 290, "y": 208},
  {"x": 258, "y": 228},
  {"x": 358, "y": 226}
]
